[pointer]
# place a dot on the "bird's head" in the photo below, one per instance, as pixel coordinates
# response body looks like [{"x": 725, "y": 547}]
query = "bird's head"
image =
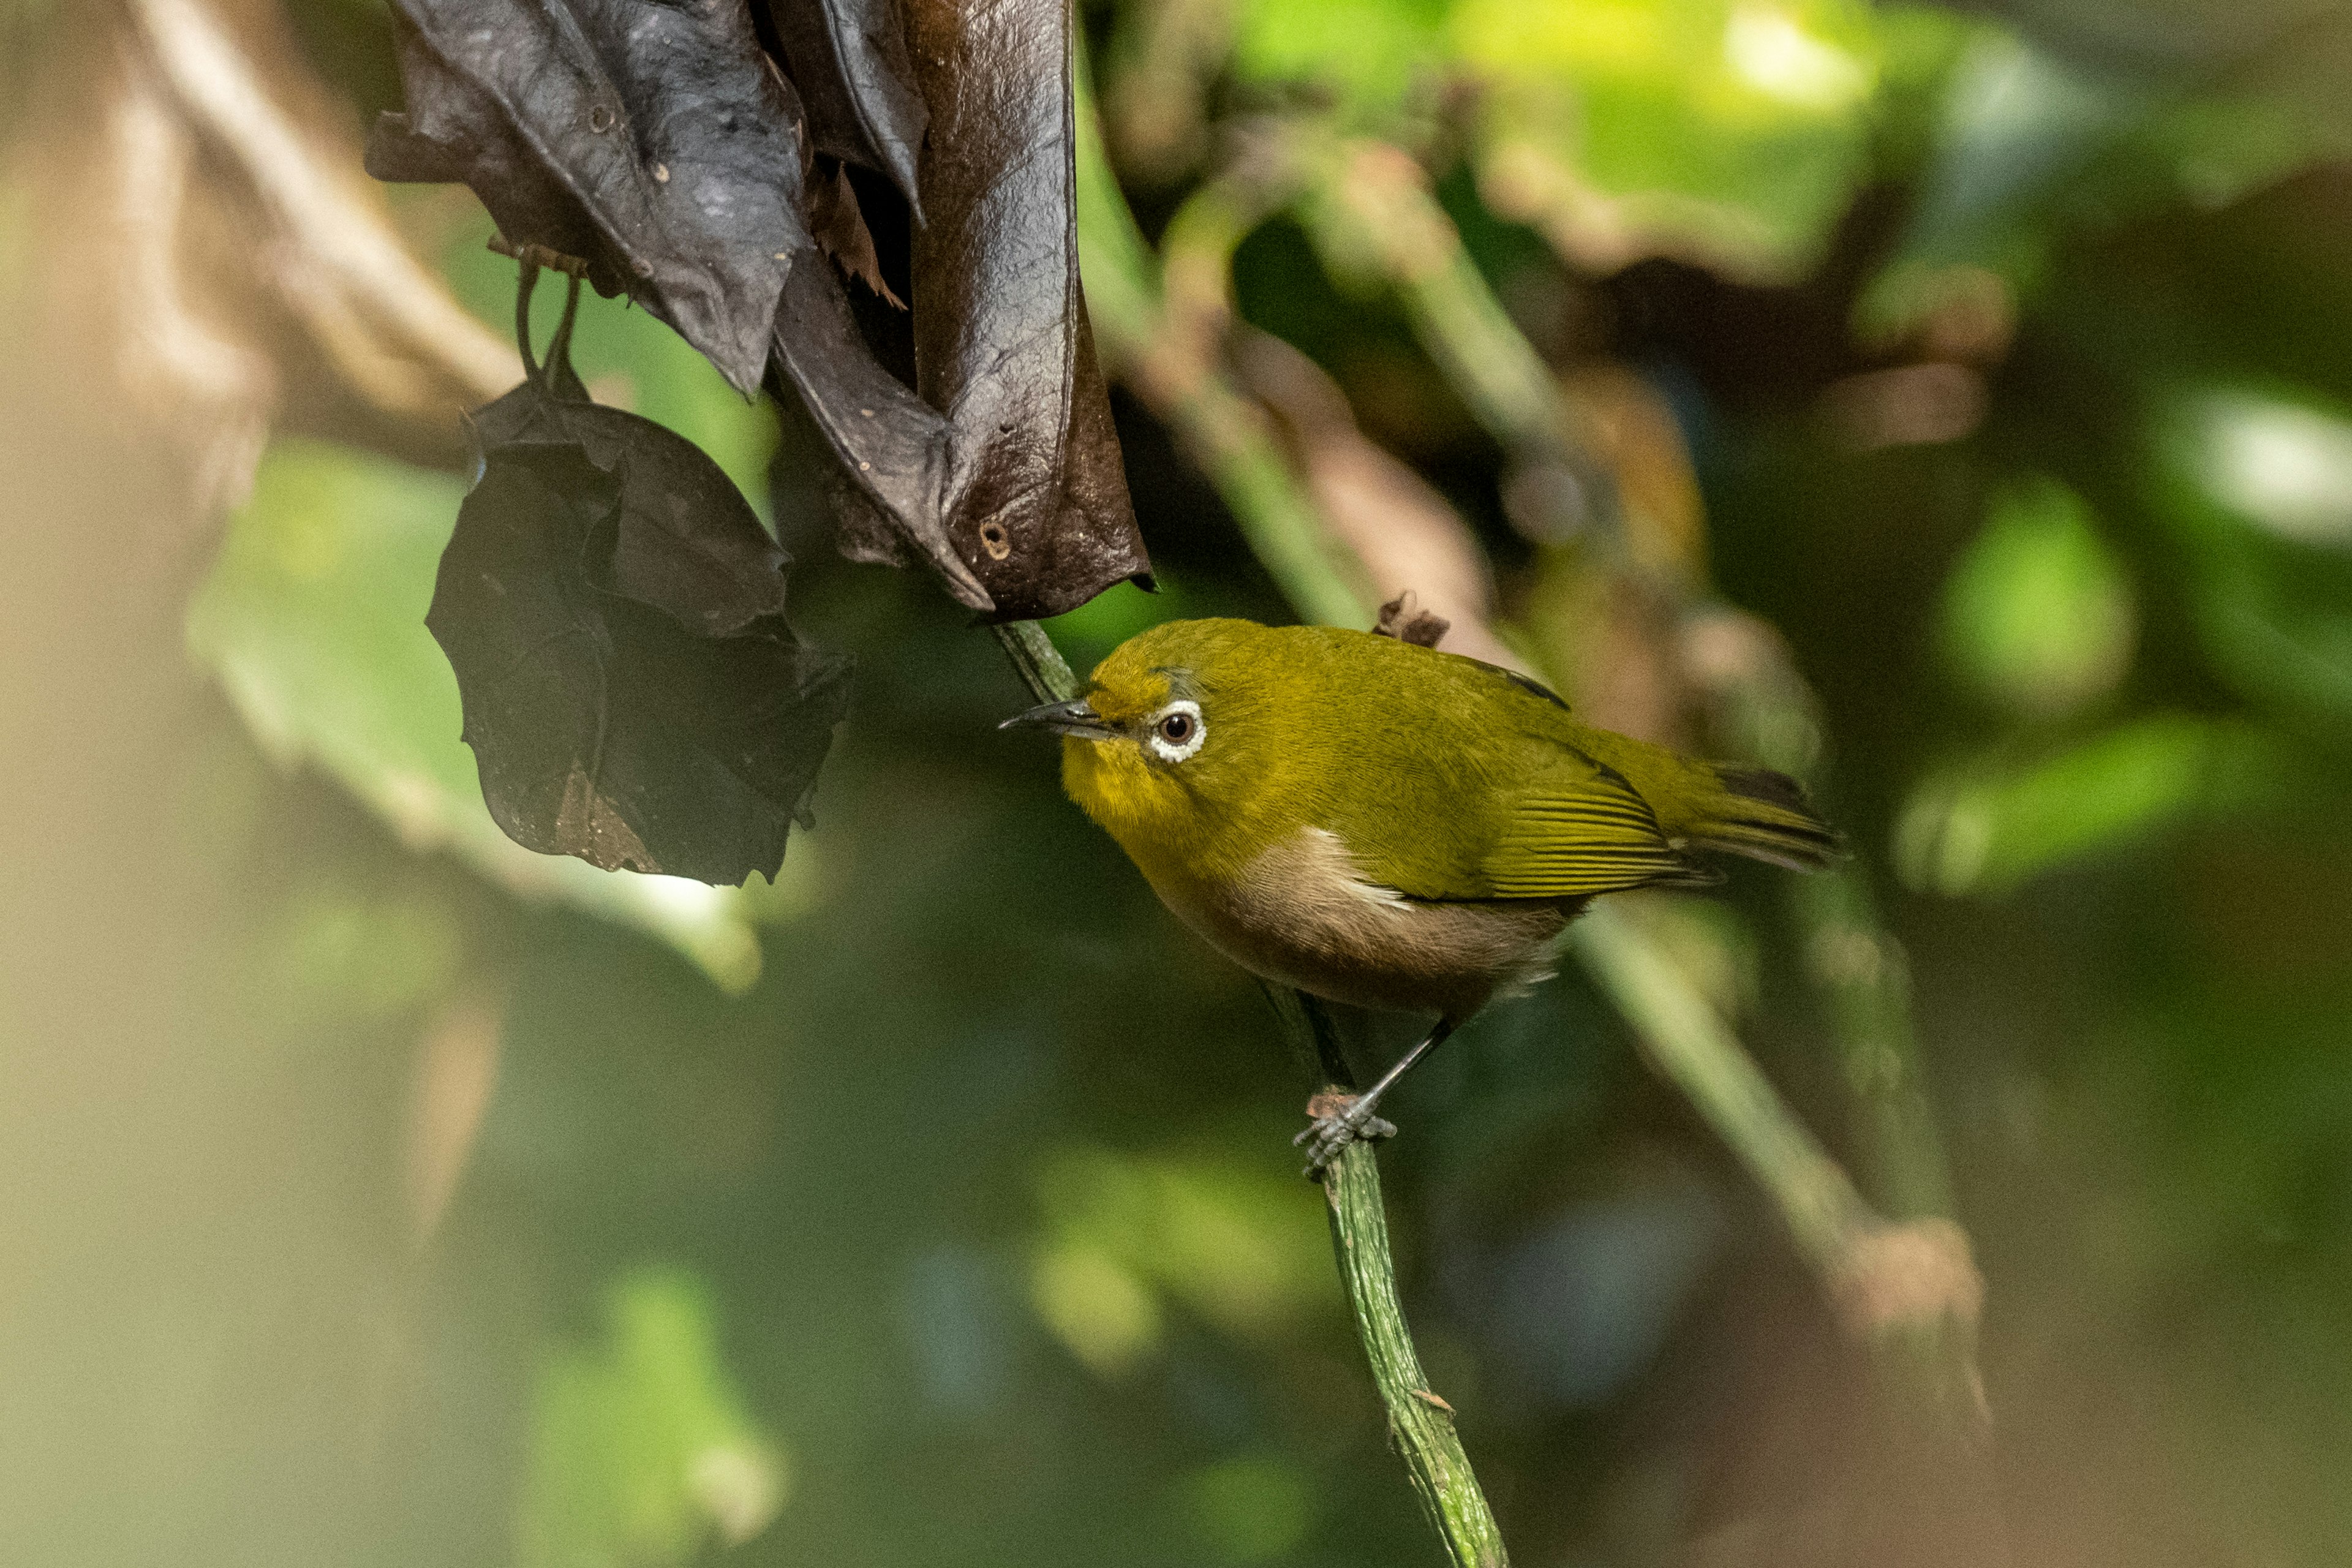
[{"x": 1171, "y": 746}]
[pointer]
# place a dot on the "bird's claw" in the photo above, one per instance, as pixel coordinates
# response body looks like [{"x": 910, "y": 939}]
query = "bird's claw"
[{"x": 1338, "y": 1121}]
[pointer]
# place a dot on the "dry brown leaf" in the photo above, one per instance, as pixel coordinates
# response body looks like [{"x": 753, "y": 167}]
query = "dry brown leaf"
[{"x": 839, "y": 226}]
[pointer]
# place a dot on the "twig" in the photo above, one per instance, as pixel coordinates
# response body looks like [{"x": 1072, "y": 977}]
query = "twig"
[{"x": 1421, "y": 1423}]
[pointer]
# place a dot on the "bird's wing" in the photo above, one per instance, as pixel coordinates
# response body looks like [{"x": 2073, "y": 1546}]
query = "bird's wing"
[{"x": 1577, "y": 830}]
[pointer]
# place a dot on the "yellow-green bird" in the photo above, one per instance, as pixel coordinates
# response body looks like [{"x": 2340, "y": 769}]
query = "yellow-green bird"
[{"x": 1387, "y": 825}]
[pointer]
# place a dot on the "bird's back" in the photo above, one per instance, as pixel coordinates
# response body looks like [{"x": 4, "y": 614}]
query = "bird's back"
[{"x": 1422, "y": 762}]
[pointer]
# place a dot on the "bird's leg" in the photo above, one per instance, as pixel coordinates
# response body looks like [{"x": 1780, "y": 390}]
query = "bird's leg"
[{"x": 1334, "y": 1128}]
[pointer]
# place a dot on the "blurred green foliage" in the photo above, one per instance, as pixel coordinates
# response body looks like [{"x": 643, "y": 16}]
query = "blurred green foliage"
[
  {"x": 640, "y": 1448},
  {"x": 958, "y": 1221},
  {"x": 2037, "y": 616}
]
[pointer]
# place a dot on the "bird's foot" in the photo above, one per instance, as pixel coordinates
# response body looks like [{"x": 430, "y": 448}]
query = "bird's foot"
[{"x": 1336, "y": 1122}]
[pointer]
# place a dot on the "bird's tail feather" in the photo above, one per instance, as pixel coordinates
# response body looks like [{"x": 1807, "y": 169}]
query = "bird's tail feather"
[{"x": 1766, "y": 816}]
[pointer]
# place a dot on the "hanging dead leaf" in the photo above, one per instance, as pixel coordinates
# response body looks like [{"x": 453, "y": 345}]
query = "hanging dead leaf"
[
  {"x": 613, "y": 612},
  {"x": 645, "y": 139},
  {"x": 659, "y": 145},
  {"x": 849, "y": 60},
  {"x": 1036, "y": 502}
]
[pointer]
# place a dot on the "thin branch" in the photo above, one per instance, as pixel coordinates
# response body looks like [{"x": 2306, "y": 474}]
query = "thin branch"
[
  {"x": 341, "y": 265},
  {"x": 1421, "y": 1423}
]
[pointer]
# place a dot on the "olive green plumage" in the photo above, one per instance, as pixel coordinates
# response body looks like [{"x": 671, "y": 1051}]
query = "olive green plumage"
[{"x": 1389, "y": 824}]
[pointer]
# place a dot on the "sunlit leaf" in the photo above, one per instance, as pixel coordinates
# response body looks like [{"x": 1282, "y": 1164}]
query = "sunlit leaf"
[
  {"x": 1732, "y": 133},
  {"x": 2256, "y": 484},
  {"x": 2030, "y": 141},
  {"x": 314, "y": 618},
  {"x": 1252, "y": 1509},
  {"x": 1231, "y": 1243},
  {"x": 2038, "y": 615},
  {"x": 2282, "y": 463},
  {"x": 641, "y": 1455},
  {"x": 1367, "y": 53},
  {"x": 1100, "y": 1311}
]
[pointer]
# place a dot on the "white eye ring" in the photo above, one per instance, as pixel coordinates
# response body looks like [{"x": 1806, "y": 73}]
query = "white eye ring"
[{"x": 1177, "y": 730}]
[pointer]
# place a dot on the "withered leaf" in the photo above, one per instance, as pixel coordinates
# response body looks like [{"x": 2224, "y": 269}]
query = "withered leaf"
[
  {"x": 889, "y": 448},
  {"x": 614, "y": 615},
  {"x": 1037, "y": 501},
  {"x": 650, "y": 140},
  {"x": 849, "y": 57},
  {"x": 841, "y": 231},
  {"x": 660, "y": 145}
]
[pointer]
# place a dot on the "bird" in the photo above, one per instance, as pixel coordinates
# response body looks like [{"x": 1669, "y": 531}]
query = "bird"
[{"x": 1388, "y": 825}]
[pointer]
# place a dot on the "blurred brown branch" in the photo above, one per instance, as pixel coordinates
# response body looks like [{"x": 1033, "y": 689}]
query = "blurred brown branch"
[{"x": 222, "y": 247}]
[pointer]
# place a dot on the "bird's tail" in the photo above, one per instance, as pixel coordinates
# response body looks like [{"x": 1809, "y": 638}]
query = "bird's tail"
[{"x": 1764, "y": 816}]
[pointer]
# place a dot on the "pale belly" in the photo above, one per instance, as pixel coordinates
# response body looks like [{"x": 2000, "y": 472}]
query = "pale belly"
[{"x": 1303, "y": 915}]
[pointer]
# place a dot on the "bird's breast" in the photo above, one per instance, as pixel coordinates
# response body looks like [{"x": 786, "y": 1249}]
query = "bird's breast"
[{"x": 1302, "y": 912}]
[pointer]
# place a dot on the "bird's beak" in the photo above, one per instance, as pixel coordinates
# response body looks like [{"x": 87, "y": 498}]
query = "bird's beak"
[{"x": 1071, "y": 718}]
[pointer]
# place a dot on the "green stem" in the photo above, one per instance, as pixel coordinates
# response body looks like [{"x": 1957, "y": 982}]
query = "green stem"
[
  {"x": 1863, "y": 971},
  {"x": 1223, "y": 431},
  {"x": 1421, "y": 1423},
  {"x": 1039, "y": 663},
  {"x": 1368, "y": 208},
  {"x": 1688, "y": 1043}
]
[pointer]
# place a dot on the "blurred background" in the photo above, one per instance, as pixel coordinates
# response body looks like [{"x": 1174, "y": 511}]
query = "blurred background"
[{"x": 374, "y": 1192}]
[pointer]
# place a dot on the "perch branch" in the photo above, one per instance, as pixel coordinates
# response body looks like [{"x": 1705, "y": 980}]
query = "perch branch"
[{"x": 1420, "y": 1422}]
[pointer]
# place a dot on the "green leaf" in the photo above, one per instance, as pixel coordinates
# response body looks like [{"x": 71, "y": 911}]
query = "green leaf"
[
  {"x": 313, "y": 619},
  {"x": 641, "y": 1453},
  {"x": 1731, "y": 135},
  {"x": 1367, "y": 53},
  {"x": 2029, "y": 144},
  {"x": 2038, "y": 615},
  {"x": 1229, "y": 1242},
  {"x": 2256, "y": 483},
  {"x": 1258, "y": 1508},
  {"x": 1988, "y": 827}
]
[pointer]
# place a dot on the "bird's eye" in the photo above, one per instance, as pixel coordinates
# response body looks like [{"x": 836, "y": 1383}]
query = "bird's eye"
[{"x": 1177, "y": 732}]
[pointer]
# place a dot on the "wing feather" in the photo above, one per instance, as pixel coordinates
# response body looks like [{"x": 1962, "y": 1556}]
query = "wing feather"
[{"x": 1574, "y": 836}]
